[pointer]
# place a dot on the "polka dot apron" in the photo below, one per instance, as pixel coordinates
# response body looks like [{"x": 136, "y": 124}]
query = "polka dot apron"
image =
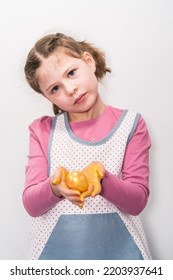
[{"x": 99, "y": 230}]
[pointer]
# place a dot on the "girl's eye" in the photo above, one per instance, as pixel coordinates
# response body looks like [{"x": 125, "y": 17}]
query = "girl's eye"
[
  {"x": 71, "y": 73},
  {"x": 55, "y": 89}
]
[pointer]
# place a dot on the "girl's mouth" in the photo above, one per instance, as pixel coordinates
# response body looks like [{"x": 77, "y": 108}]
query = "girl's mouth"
[{"x": 80, "y": 99}]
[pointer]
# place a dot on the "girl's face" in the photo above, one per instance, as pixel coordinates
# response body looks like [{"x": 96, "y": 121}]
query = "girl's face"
[{"x": 69, "y": 82}]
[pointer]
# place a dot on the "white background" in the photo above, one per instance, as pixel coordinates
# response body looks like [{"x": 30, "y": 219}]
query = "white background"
[{"x": 137, "y": 36}]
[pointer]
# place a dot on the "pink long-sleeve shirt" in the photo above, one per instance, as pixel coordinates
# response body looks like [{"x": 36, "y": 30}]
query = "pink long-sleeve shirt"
[{"x": 129, "y": 194}]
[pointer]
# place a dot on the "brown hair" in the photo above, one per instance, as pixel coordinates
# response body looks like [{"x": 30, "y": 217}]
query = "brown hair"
[{"x": 48, "y": 45}]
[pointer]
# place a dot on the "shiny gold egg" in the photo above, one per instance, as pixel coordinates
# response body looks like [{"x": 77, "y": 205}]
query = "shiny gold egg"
[{"x": 76, "y": 180}]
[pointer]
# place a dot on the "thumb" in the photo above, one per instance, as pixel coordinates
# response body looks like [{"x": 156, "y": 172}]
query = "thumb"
[{"x": 59, "y": 175}]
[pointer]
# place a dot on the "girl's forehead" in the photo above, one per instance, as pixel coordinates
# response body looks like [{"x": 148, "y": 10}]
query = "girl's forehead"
[{"x": 57, "y": 61}]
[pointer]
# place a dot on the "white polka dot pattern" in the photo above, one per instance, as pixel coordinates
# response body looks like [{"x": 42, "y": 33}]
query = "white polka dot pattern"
[{"x": 75, "y": 154}]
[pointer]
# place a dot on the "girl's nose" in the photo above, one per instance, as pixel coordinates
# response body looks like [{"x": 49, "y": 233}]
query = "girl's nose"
[{"x": 70, "y": 88}]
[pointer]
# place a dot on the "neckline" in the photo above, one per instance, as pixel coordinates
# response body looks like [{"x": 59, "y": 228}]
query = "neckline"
[
  {"x": 89, "y": 143},
  {"x": 91, "y": 121}
]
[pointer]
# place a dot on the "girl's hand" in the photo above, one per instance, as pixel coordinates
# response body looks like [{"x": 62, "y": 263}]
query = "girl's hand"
[
  {"x": 94, "y": 172},
  {"x": 60, "y": 189},
  {"x": 59, "y": 175}
]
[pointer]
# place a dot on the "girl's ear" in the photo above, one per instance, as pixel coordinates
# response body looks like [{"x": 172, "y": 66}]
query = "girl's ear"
[{"x": 89, "y": 60}]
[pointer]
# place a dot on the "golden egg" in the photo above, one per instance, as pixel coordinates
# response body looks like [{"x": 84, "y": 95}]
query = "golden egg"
[{"x": 76, "y": 180}]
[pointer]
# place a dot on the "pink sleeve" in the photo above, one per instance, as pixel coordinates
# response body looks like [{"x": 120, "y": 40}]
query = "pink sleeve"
[
  {"x": 130, "y": 194},
  {"x": 38, "y": 197}
]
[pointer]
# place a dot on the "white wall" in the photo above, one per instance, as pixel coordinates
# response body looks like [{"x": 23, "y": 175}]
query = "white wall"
[{"x": 137, "y": 38}]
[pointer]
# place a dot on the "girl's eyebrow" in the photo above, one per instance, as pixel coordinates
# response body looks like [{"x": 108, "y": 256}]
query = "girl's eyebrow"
[
  {"x": 51, "y": 86},
  {"x": 69, "y": 68}
]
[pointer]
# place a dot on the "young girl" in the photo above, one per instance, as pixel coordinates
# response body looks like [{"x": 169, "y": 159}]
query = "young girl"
[{"x": 102, "y": 223}]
